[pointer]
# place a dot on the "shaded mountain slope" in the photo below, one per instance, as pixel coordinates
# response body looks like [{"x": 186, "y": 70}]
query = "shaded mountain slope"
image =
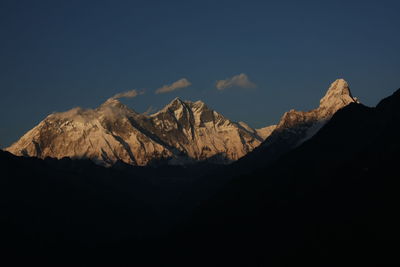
[{"x": 51, "y": 208}]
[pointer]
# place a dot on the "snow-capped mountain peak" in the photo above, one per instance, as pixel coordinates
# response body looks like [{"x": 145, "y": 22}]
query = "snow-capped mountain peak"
[{"x": 337, "y": 96}]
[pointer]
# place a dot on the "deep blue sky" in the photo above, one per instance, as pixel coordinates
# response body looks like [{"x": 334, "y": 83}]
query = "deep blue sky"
[{"x": 55, "y": 55}]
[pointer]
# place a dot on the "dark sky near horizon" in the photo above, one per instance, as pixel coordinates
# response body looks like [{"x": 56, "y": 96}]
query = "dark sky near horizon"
[{"x": 56, "y": 55}]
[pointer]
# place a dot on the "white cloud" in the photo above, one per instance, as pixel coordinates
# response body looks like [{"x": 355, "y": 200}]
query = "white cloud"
[
  {"x": 181, "y": 83},
  {"x": 240, "y": 80},
  {"x": 128, "y": 94}
]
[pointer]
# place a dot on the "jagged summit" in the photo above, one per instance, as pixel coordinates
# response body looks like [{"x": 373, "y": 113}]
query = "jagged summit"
[
  {"x": 174, "y": 105},
  {"x": 179, "y": 108},
  {"x": 176, "y": 101}
]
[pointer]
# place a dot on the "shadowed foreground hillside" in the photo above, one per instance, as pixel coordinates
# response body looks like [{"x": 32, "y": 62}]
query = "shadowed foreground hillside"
[{"x": 66, "y": 210}]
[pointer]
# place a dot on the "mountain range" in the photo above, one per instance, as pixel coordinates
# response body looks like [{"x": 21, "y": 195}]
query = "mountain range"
[
  {"x": 182, "y": 132},
  {"x": 330, "y": 199}
]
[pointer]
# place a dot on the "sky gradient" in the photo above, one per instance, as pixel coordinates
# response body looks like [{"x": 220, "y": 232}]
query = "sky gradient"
[{"x": 56, "y": 55}]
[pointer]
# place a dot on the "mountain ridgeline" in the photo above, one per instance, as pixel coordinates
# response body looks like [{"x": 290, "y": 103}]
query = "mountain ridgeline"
[{"x": 183, "y": 132}]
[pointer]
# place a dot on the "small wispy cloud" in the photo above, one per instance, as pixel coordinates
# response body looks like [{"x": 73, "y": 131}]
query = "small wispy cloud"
[
  {"x": 128, "y": 94},
  {"x": 150, "y": 110},
  {"x": 181, "y": 83},
  {"x": 241, "y": 80}
]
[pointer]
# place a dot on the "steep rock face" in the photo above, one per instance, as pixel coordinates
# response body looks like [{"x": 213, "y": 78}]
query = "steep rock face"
[{"x": 181, "y": 132}]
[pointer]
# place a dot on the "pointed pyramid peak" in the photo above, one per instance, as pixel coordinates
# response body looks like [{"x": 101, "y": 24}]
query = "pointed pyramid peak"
[{"x": 338, "y": 95}]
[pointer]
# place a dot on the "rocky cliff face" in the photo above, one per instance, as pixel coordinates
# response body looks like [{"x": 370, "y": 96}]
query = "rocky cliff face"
[{"x": 182, "y": 132}]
